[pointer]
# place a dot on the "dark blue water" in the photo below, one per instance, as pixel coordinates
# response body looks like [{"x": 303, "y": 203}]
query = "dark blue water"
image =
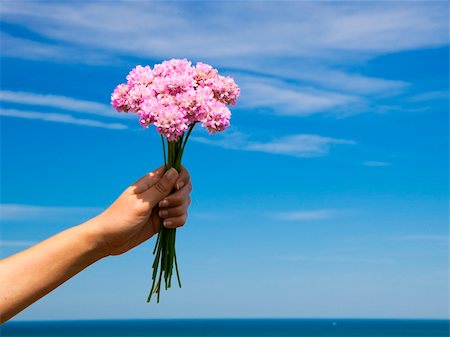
[{"x": 231, "y": 327}]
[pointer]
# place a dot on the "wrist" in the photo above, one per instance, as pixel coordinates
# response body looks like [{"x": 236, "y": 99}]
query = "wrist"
[{"x": 93, "y": 236}]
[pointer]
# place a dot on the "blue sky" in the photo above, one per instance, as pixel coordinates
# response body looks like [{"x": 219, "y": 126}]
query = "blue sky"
[{"x": 328, "y": 196}]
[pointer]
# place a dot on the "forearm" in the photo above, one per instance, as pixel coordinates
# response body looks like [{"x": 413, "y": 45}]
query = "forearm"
[{"x": 47, "y": 265}]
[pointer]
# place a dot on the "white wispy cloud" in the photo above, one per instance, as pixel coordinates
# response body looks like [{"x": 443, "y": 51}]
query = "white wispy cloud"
[
  {"x": 305, "y": 215},
  {"x": 38, "y": 50},
  {"x": 438, "y": 238},
  {"x": 60, "y": 102},
  {"x": 352, "y": 82},
  {"x": 300, "y": 145},
  {"x": 305, "y": 73},
  {"x": 429, "y": 96},
  {"x": 292, "y": 100},
  {"x": 60, "y": 118},
  {"x": 12, "y": 243},
  {"x": 302, "y": 41},
  {"x": 20, "y": 212},
  {"x": 384, "y": 27},
  {"x": 318, "y": 29},
  {"x": 376, "y": 163},
  {"x": 337, "y": 259}
]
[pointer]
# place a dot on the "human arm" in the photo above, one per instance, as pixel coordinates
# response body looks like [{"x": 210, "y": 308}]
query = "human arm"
[{"x": 132, "y": 219}]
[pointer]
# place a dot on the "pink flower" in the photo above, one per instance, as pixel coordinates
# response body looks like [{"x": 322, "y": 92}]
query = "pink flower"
[
  {"x": 205, "y": 75},
  {"x": 174, "y": 95},
  {"x": 218, "y": 118},
  {"x": 226, "y": 90},
  {"x": 173, "y": 77},
  {"x": 196, "y": 103},
  {"x": 173, "y": 67},
  {"x": 140, "y": 76},
  {"x": 171, "y": 122},
  {"x": 148, "y": 111},
  {"x": 137, "y": 95},
  {"x": 186, "y": 103},
  {"x": 119, "y": 98}
]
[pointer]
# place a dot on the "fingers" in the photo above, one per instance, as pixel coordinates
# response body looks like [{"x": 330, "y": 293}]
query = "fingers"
[
  {"x": 150, "y": 179},
  {"x": 147, "y": 181},
  {"x": 171, "y": 212},
  {"x": 173, "y": 208},
  {"x": 161, "y": 188},
  {"x": 155, "y": 188},
  {"x": 177, "y": 198},
  {"x": 183, "y": 178},
  {"x": 175, "y": 222}
]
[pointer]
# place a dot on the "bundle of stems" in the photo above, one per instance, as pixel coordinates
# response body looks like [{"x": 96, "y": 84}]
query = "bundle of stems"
[{"x": 166, "y": 256}]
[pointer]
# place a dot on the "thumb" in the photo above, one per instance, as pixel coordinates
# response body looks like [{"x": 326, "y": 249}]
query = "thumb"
[{"x": 162, "y": 188}]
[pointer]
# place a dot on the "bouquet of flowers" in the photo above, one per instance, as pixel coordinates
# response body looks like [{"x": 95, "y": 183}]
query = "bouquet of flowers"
[{"x": 175, "y": 96}]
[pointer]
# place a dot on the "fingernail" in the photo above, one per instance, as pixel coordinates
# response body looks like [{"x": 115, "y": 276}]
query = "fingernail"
[
  {"x": 167, "y": 223},
  {"x": 179, "y": 185},
  {"x": 163, "y": 203},
  {"x": 163, "y": 213},
  {"x": 172, "y": 173}
]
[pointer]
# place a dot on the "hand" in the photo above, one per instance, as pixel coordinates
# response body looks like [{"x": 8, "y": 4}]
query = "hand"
[{"x": 137, "y": 214}]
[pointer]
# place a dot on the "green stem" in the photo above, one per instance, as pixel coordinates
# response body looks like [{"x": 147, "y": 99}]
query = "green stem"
[
  {"x": 170, "y": 258},
  {"x": 164, "y": 152},
  {"x": 176, "y": 266},
  {"x": 182, "y": 146},
  {"x": 191, "y": 127},
  {"x": 156, "y": 264},
  {"x": 157, "y": 243},
  {"x": 158, "y": 289},
  {"x": 166, "y": 256}
]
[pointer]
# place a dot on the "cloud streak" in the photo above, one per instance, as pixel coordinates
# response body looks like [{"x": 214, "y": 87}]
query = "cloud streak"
[
  {"x": 60, "y": 118},
  {"x": 20, "y": 212},
  {"x": 60, "y": 102},
  {"x": 376, "y": 163},
  {"x": 430, "y": 96},
  {"x": 337, "y": 259},
  {"x": 12, "y": 243},
  {"x": 312, "y": 47},
  {"x": 292, "y": 100},
  {"x": 299, "y": 145},
  {"x": 305, "y": 215},
  {"x": 322, "y": 30},
  {"x": 37, "y": 50},
  {"x": 439, "y": 238}
]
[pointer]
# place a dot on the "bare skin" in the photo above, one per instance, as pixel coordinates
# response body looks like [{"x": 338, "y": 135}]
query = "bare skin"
[{"x": 131, "y": 220}]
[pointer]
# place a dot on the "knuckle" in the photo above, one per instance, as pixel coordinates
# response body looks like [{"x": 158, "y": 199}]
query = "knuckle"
[
  {"x": 139, "y": 207},
  {"x": 164, "y": 213},
  {"x": 178, "y": 200},
  {"x": 160, "y": 187},
  {"x": 180, "y": 210},
  {"x": 174, "y": 212}
]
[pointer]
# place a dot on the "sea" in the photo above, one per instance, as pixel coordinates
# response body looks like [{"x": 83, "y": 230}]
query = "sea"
[{"x": 230, "y": 328}]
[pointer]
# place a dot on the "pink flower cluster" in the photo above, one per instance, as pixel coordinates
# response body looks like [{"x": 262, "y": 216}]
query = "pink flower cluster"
[{"x": 175, "y": 95}]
